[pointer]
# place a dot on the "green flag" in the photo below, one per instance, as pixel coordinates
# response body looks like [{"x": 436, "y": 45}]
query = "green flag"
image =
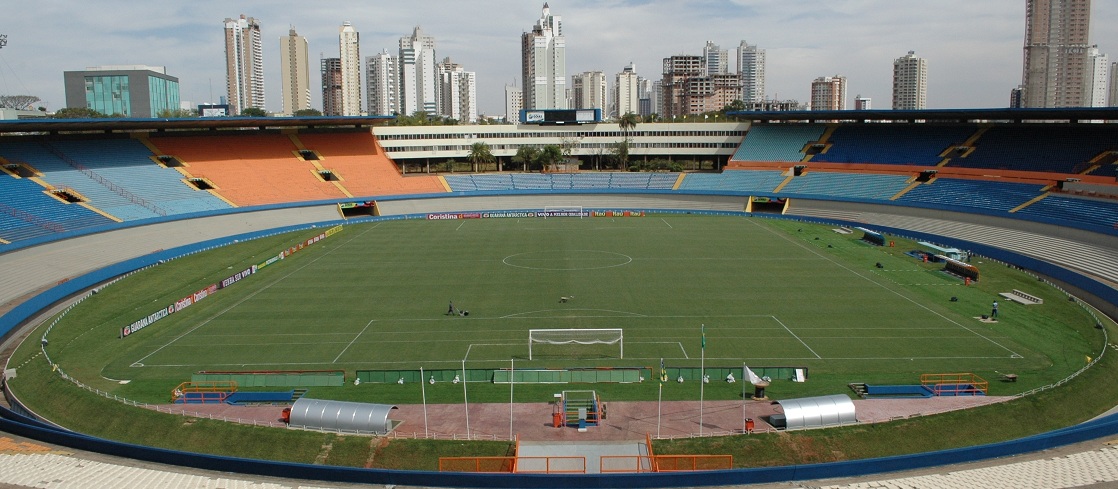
[{"x": 704, "y": 331}]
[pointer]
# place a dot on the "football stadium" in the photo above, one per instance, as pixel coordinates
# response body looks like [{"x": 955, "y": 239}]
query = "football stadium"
[{"x": 795, "y": 296}]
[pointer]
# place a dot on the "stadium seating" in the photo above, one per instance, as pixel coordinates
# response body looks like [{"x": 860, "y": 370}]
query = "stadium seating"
[
  {"x": 63, "y": 172},
  {"x": 26, "y": 212},
  {"x": 250, "y": 169},
  {"x": 366, "y": 171},
  {"x": 972, "y": 194},
  {"x": 894, "y": 144},
  {"x": 128, "y": 163},
  {"x": 847, "y": 185},
  {"x": 1041, "y": 148},
  {"x": 777, "y": 142},
  {"x": 1064, "y": 210},
  {"x": 761, "y": 181}
]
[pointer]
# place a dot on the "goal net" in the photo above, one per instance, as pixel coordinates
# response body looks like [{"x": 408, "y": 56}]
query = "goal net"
[
  {"x": 576, "y": 343},
  {"x": 563, "y": 211}
]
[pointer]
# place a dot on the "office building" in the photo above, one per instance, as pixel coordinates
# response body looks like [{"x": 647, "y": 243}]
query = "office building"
[
  {"x": 458, "y": 92},
  {"x": 331, "y": 86},
  {"x": 295, "y": 73},
  {"x": 1097, "y": 81},
  {"x": 588, "y": 91},
  {"x": 418, "y": 74},
  {"x": 751, "y": 68},
  {"x": 716, "y": 61},
  {"x": 544, "y": 63},
  {"x": 382, "y": 74},
  {"x": 828, "y": 93},
  {"x": 244, "y": 64},
  {"x": 349, "y": 54},
  {"x": 626, "y": 93},
  {"x": 123, "y": 91},
  {"x": 1056, "y": 42},
  {"x": 910, "y": 82}
]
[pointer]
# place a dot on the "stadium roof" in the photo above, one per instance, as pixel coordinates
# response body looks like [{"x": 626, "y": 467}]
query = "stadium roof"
[
  {"x": 1079, "y": 114},
  {"x": 190, "y": 123}
]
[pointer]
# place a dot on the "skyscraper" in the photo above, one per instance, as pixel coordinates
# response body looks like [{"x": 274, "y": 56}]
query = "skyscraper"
[
  {"x": 295, "y": 75},
  {"x": 544, "y": 63},
  {"x": 588, "y": 90},
  {"x": 514, "y": 101},
  {"x": 244, "y": 64},
  {"x": 418, "y": 74},
  {"x": 382, "y": 74},
  {"x": 828, "y": 93},
  {"x": 1096, "y": 84},
  {"x": 678, "y": 70},
  {"x": 349, "y": 51},
  {"x": 1112, "y": 99},
  {"x": 910, "y": 82},
  {"x": 331, "y": 86},
  {"x": 626, "y": 94},
  {"x": 751, "y": 67},
  {"x": 1056, "y": 36},
  {"x": 716, "y": 60},
  {"x": 458, "y": 92}
]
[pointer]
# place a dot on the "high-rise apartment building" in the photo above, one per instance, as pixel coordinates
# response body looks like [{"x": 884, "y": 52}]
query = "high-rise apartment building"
[
  {"x": 382, "y": 74},
  {"x": 349, "y": 52},
  {"x": 644, "y": 96},
  {"x": 588, "y": 90},
  {"x": 828, "y": 93},
  {"x": 626, "y": 93},
  {"x": 910, "y": 82},
  {"x": 514, "y": 101},
  {"x": 656, "y": 98},
  {"x": 751, "y": 68},
  {"x": 1097, "y": 82},
  {"x": 458, "y": 92},
  {"x": 244, "y": 64},
  {"x": 419, "y": 78},
  {"x": 716, "y": 60},
  {"x": 1056, "y": 42},
  {"x": 678, "y": 70},
  {"x": 1112, "y": 99},
  {"x": 331, "y": 86},
  {"x": 126, "y": 91},
  {"x": 862, "y": 103},
  {"x": 295, "y": 73},
  {"x": 544, "y": 63}
]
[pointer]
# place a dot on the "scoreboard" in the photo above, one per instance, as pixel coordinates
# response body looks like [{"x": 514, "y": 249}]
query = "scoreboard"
[{"x": 560, "y": 116}]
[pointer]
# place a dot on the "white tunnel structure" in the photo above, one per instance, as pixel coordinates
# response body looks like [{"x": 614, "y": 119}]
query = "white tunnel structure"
[{"x": 341, "y": 416}]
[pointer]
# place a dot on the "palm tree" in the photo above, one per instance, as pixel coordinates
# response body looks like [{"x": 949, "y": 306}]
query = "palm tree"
[
  {"x": 480, "y": 154},
  {"x": 626, "y": 123}
]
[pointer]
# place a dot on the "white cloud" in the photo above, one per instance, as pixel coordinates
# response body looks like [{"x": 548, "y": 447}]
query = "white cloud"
[{"x": 973, "y": 48}]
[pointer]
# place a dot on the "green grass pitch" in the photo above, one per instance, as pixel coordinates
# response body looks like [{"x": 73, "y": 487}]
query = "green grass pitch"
[{"x": 769, "y": 293}]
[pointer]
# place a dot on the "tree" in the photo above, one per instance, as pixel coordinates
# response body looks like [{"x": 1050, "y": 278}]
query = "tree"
[
  {"x": 78, "y": 113},
  {"x": 177, "y": 113},
  {"x": 307, "y": 113},
  {"x": 626, "y": 123},
  {"x": 480, "y": 154},
  {"x": 18, "y": 102},
  {"x": 549, "y": 155},
  {"x": 526, "y": 155},
  {"x": 254, "y": 112}
]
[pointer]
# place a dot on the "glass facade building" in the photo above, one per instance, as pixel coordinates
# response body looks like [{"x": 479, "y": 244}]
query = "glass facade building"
[{"x": 123, "y": 91}]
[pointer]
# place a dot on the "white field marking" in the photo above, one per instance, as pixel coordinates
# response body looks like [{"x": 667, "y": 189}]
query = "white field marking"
[
  {"x": 789, "y": 330},
  {"x": 352, "y": 341},
  {"x": 879, "y": 284},
  {"x": 858, "y": 359},
  {"x": 463, "y": 223},
  {"x": 682, "y": 349},
  {"x": 524, "y": 315},
  {"x": 666, "y": 222},
  {"x": 247, "y": 297}
]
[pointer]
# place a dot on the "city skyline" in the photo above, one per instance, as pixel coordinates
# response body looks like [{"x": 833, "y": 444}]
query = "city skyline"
[{"x": 976, "y": 47}]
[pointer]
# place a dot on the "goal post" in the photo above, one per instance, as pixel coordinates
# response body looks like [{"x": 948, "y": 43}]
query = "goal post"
[
  {"x": 578, "y": 336},
  {"x": 563, "y": 211}
]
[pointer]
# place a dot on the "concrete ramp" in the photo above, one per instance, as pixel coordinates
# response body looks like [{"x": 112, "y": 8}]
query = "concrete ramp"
[{"x": 541, "y": 456}]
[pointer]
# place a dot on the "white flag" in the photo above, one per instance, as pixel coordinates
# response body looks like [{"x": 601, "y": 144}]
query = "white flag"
[{"x": 753, "y": 378}]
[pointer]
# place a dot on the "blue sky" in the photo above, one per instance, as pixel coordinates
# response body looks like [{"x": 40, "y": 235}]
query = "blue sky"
[{"x": 973, "y": 47}]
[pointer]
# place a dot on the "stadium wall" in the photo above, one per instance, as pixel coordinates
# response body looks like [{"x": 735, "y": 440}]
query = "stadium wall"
[{"x": 18, "y": 424}]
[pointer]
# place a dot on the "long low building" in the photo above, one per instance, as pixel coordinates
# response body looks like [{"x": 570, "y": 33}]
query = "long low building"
[{"x": 715, "y": 141}]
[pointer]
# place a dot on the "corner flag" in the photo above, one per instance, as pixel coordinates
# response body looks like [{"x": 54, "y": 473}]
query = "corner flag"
[
  {"x": 703, "y": 329},
  {"x": 663, "y": 371}
]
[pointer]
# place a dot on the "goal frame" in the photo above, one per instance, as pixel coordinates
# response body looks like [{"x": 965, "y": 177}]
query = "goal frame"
[{"x": 620, "y": 335}]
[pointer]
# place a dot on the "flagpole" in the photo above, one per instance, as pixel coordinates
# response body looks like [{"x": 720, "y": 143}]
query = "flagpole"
[
  {"x": 744, "y": 378},
  {"x": 512, "y": 381},
  {"x": 702, "y": 375},
  {"x": 659, "y": 400},
  {"x": 423, "y": 390}
]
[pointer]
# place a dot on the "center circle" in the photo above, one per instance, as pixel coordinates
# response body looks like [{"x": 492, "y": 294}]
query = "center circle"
[{"x": 567, "y": 260}]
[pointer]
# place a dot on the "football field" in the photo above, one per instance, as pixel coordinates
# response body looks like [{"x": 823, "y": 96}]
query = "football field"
[{"x": 762, "y": 292}]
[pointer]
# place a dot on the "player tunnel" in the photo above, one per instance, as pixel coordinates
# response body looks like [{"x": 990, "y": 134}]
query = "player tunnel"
[{"x": 341, "y": 416}]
